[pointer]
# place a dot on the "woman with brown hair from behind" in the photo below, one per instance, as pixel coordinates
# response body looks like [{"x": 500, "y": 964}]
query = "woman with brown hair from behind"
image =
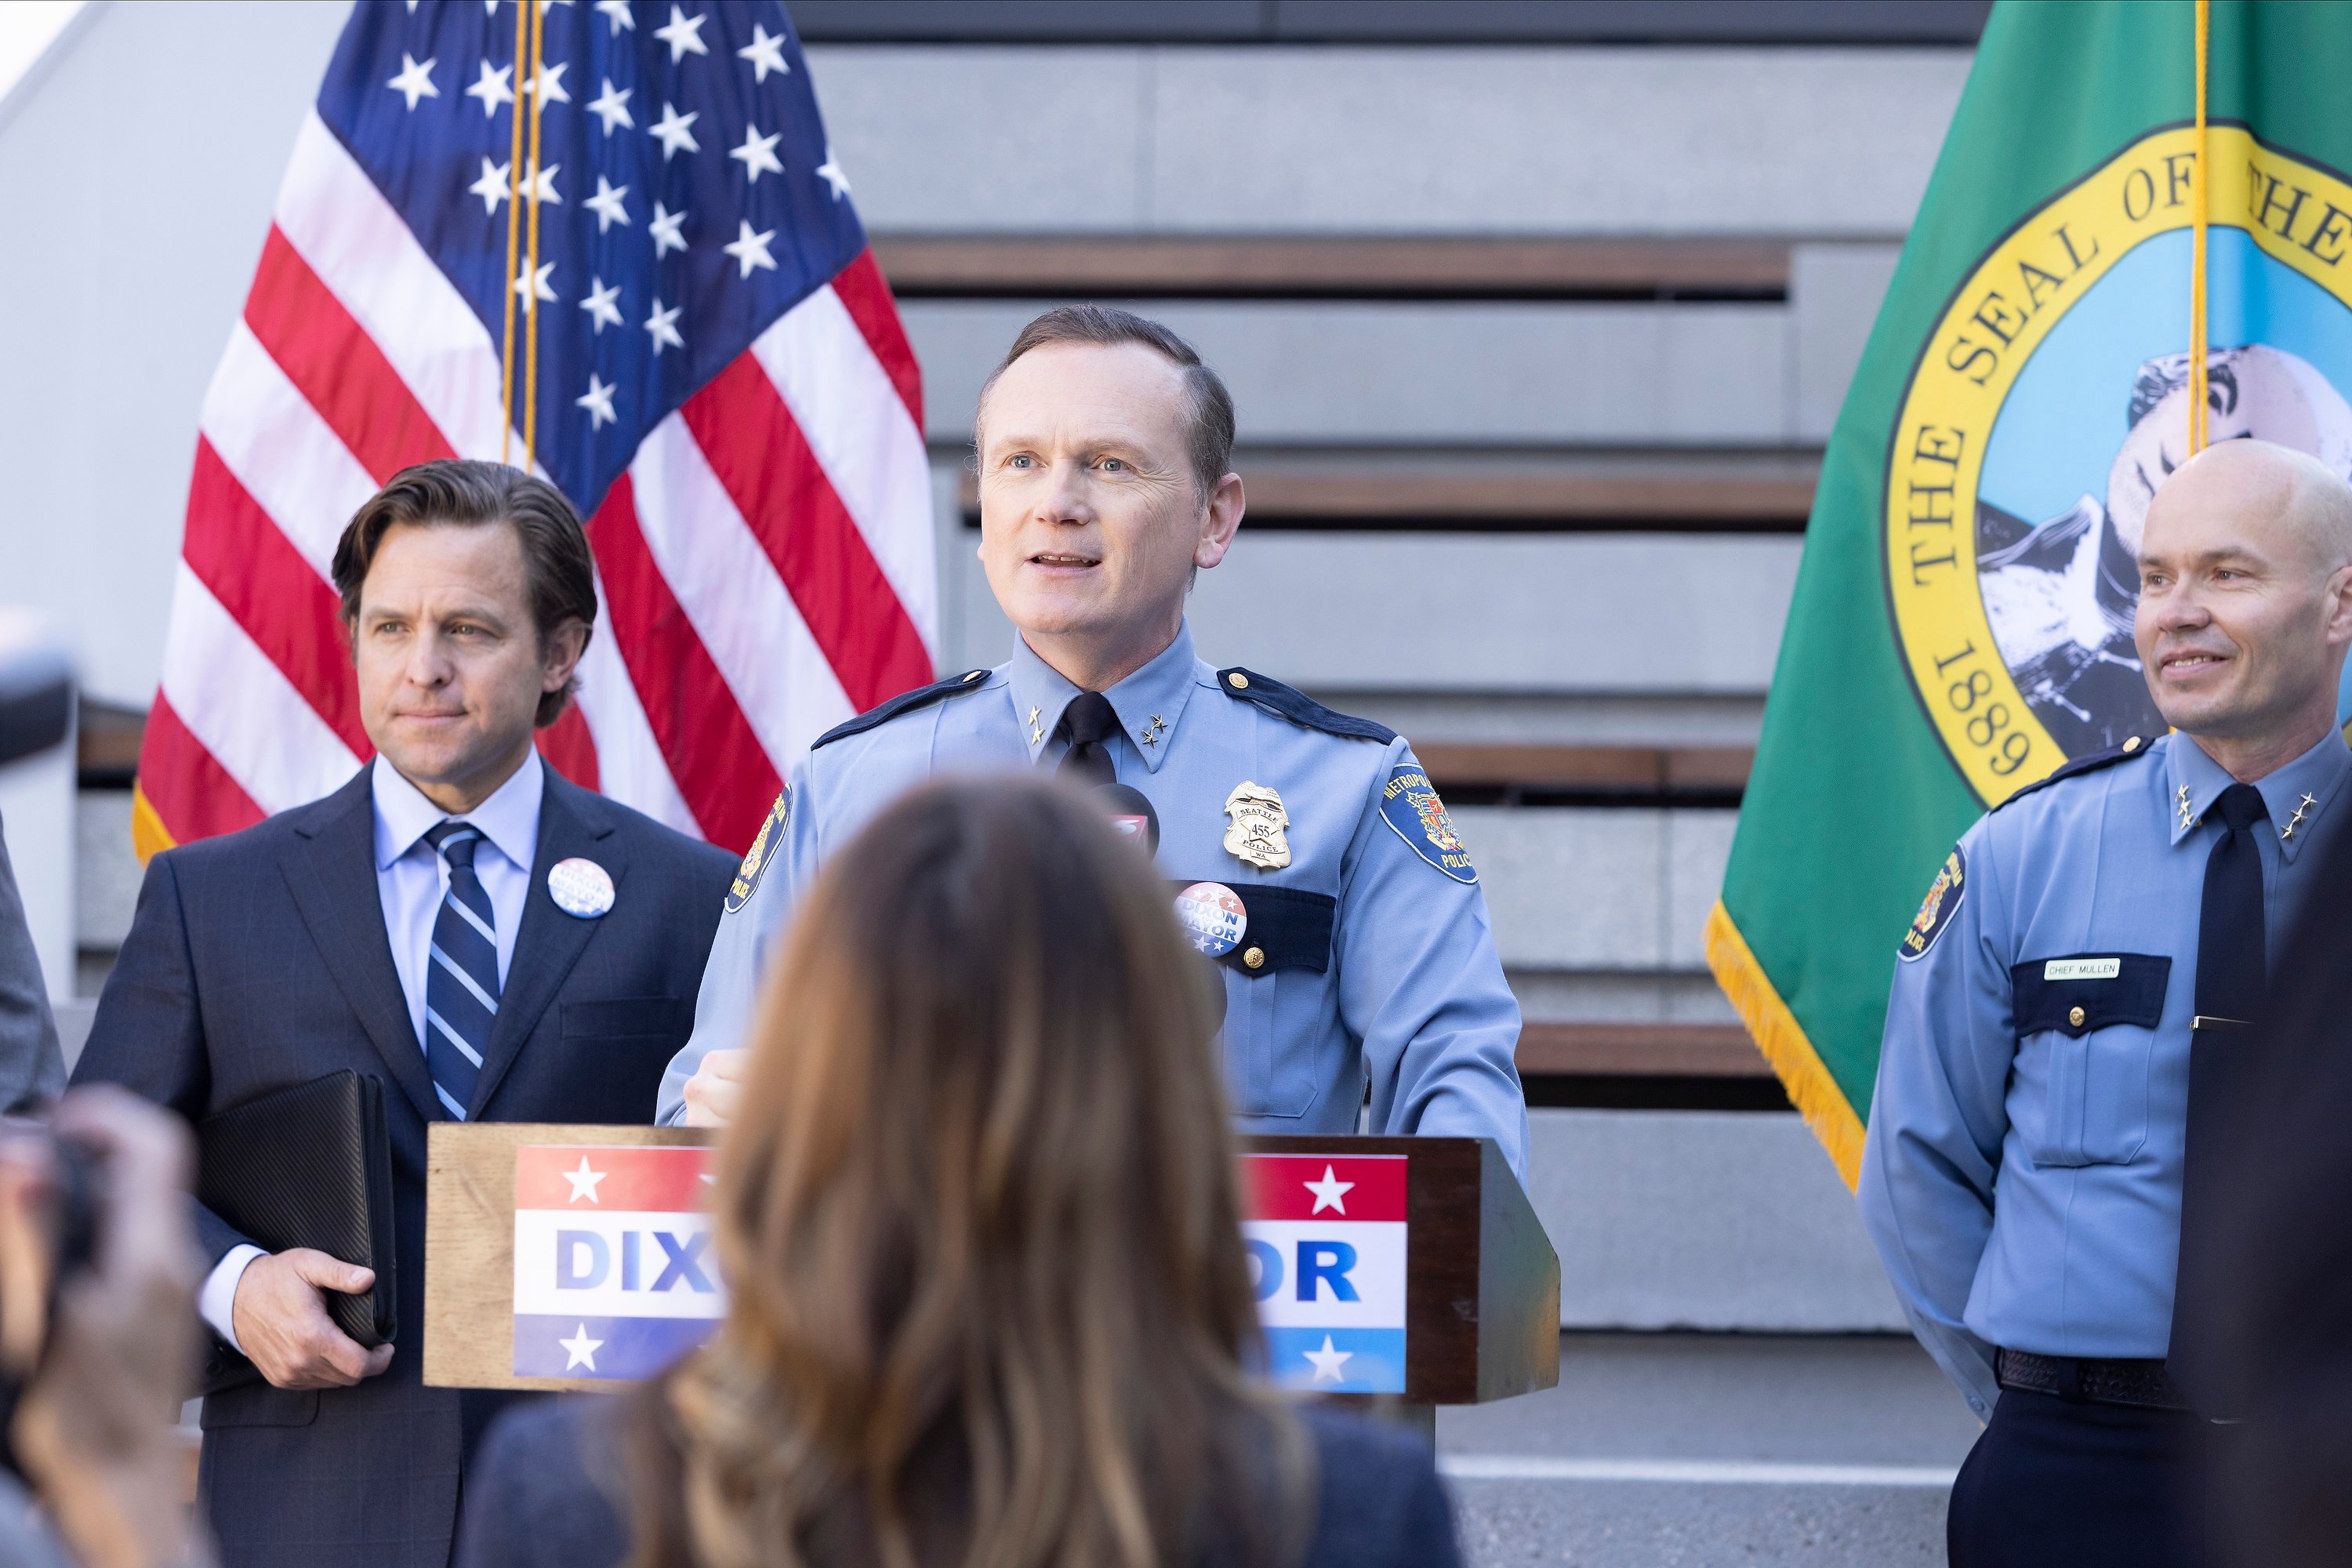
[{"x": 978, "y": 1214}]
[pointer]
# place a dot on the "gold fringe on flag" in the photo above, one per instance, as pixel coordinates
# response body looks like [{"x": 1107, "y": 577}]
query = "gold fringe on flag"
[{"x": 1782, "y": 1038}]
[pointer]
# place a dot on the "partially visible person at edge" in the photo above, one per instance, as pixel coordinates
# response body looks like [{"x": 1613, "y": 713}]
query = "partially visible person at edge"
[
  {"x": 2068, "y": 1033},
  {"x": 457, "y": 920},
  {"x": 978, "y": 1215},
  {"x": 1323, "y": 872}
]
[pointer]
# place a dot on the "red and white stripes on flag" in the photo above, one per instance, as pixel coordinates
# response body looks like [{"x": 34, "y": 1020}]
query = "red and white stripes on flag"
[{"x": 765, "y": 566}]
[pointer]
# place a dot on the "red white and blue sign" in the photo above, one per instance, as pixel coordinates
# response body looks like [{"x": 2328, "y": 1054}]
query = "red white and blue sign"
[
  {"x": 612, "y": 1272},
  {"x": 1327, "y": 1244},
  {"x": 614, "y": 1276}
]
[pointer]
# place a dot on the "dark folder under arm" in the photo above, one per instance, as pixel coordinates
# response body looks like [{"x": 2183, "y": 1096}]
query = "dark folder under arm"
[{"x": 310, "y": 1166}]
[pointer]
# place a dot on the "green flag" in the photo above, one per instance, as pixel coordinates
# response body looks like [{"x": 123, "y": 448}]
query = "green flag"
[{"x": 1962, "y": 620}]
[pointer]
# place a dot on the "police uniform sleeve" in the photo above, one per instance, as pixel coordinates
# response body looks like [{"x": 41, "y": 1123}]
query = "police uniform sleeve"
[
  {"x": 758, "y": 903},
  {"x": 1420, "y": 983},
  {"x": 1939, "y": 1112}
]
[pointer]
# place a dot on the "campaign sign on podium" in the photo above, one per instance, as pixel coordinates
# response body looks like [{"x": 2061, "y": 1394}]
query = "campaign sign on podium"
[{"x": 578, "y": 1258}]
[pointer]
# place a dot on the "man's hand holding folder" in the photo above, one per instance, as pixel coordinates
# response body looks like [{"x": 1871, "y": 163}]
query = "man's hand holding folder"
[{"x": 282, "y": 1324}]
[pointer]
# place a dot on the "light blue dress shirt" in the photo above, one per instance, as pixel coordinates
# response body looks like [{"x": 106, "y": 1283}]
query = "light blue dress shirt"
[
  {"x": 1410, "y": 996},
  {"x": 2023, "y": 1190},
  {"x": 411, "y": 881}
]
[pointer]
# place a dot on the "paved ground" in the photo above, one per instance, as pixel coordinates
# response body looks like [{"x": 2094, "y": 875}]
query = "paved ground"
[{"x": 1701, "y": 1450}]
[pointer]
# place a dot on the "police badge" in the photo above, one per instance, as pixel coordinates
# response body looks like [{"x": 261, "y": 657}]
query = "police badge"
[{"x": 1254, "y": 836}]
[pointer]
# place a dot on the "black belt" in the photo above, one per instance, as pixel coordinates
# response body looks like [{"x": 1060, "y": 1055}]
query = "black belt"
[{"x": 2082, "y": 1380}]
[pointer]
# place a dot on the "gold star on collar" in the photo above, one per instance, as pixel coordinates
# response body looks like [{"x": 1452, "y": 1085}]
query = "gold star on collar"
[
  {"x": 1037, "y": 731},
  {"x": 2180, "y": 804},
  {"x": 2302, "y": 807},
  {"x": 1151, "y": 732}
]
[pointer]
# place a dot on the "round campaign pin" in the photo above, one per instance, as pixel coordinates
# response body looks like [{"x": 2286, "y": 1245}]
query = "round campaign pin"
[
  {"x": 1213, "y": 917},
  {"x": 581, "y": 889}
]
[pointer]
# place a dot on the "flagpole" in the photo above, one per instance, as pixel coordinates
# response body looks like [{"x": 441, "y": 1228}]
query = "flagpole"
[
  {"x": 2200, "y": 185},
  {"x": 537, "y": 15},
  {"x": 514, "y": 221}
]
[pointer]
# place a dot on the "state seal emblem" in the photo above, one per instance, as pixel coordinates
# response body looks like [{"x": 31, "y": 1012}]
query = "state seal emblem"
[
  {"x": 764, "y": 848},
  {"x": 2052, "y": 400}
]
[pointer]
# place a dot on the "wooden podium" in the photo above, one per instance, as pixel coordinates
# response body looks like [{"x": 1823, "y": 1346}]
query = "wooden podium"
[{"x": 571, "y": 1258}]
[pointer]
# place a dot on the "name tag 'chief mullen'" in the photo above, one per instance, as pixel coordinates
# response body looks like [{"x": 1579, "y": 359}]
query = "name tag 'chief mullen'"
[{"x": 1306, "y": 849}]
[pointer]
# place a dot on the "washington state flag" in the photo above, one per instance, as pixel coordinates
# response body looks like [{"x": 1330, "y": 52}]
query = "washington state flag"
[{"x": 1962, "y": 622}]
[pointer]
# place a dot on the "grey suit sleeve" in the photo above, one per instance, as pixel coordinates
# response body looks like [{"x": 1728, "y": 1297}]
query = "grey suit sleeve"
[{"x": 31, "y": 1068}]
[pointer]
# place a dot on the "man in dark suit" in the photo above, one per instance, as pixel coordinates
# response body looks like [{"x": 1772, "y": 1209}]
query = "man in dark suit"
[{"x": 493, "y": 941}]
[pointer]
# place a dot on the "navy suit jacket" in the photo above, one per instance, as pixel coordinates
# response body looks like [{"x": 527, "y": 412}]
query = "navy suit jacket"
[{"x": 258, "y": 960}]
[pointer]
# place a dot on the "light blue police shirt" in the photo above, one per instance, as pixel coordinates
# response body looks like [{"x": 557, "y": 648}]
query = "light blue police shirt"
[
  {"x": 2020, "y": 1181},
  {"x": 1405, "y": 989}
]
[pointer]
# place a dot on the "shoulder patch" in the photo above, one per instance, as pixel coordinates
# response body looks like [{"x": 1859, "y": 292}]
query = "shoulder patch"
[
  {"x": 1289, "y": 702},
  {"x": 1409, "y": 804},
  {"x": 2090, "y": 762},
  {"x": 1936, "y": 910},
  {"x": 904, "y": 703},
  {"x": 764, "y": 848}
]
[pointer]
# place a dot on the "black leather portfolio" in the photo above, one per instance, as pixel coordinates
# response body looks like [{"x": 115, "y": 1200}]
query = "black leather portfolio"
[{"x": 311, "y": 1167}]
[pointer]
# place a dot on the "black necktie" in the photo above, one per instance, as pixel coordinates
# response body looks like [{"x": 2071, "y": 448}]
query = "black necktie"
[
  {"x": 1087, "y": 723},
  {"x": 2231, "y": 962}
]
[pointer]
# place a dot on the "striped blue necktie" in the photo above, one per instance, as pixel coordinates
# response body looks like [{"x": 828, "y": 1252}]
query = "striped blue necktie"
[{"x": 461, "y": 982}]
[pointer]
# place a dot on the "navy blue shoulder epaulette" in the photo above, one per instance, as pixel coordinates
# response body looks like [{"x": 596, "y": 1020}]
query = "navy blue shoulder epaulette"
[
  {"x": 2133, "y": 746},
  {"x": 904, "y": 703},
  {"x": 1289, "y": 702}
]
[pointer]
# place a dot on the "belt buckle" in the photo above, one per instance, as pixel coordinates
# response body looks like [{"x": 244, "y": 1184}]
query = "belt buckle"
[{"x": 2070, "y": 1380}]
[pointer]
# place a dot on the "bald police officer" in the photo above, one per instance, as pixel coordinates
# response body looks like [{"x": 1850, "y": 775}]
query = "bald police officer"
[
  {"x": 1317, "y": 864},
  {"x": 2067, "y": 1032}
]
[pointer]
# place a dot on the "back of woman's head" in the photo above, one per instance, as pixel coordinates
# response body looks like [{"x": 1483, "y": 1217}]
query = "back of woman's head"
[{"x": 977, "y": 1212}]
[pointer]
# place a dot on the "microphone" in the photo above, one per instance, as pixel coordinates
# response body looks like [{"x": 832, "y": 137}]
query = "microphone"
[{"x": 1130, "y": 812}]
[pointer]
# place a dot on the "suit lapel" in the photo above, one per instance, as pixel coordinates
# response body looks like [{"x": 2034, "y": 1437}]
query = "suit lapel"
[
  {"x": 329, "y": 869},
  {"x": 571, "y": 822}
]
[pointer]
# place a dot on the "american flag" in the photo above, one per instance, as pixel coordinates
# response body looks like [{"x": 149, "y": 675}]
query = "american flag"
[{"x": 721, "y": 387}]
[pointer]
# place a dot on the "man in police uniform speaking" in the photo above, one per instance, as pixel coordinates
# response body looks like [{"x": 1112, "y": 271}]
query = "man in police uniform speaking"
[
  {"x": 1314, "y": 862},
  {"x": 2067, "y": 1035}
]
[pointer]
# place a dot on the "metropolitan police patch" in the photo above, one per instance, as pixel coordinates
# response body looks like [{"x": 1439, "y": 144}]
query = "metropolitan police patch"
[
  {"x": 764, "y": 848},
  {"x": 1936, "y": 910},
  {"x": 1409, "y": 804}
]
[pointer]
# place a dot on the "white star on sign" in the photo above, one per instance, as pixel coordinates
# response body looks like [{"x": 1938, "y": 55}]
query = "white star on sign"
[
  {"x": 415, "y": 81},
  {"x": 758, "y": 152},
  {"x": 683, "y": 37},
  {"x": 1327, "y": 1362},
  {"x": 580, "y": 1349},
  {"x": 606, "y": 204},
  {"x": 603, "y": 304},
  {"x": 598, "y": 402},
  {"x": 548, "y": 85},
  {"x": 672, "y": 131},
  {"x": 612, "y": 107},
  {"x": 663, "y": 325},
  {"x": 766, "y": 53},
  {"x": 492, "y": 90},
  {"x": 665, "y": 227},
  {"x": 830, "y": 173},
  {"x": 583, "y": 1180},
  {"x": 532, "y": 288},
  {"x": 751, "y": 249},
  {"x": 1329, "y": 1193},
  {"x": 492, "y": 186},
  {"x": 618, "y": 10}
]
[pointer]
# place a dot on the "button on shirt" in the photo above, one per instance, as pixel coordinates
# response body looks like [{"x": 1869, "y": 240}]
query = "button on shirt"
[
  {"x": 1986, "y": 1078},
  {"x": 1406, "y": 991},
  {"x": 411, "y": 880}
]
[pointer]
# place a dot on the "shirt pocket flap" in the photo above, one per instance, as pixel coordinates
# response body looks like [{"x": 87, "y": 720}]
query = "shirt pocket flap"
[
  {"x": 1289, "y": 928},
  {"x": 2080, "y": 991}
]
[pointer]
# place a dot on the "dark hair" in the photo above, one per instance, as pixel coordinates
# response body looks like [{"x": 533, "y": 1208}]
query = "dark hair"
[
  {"x": 559, "y": 573},
  {"x": 979, "y": 1213},
  {"x": 1211, "y": 417}
]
